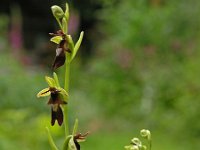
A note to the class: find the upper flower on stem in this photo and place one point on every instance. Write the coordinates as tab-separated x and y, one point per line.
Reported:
58	97
60	39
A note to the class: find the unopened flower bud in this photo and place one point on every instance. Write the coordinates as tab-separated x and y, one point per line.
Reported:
134	147
57	12
145	134
136	141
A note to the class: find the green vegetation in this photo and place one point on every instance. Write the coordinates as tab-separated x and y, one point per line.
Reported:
144	74
146	66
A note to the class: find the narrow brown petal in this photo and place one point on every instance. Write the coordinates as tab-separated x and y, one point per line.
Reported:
58	33
81	136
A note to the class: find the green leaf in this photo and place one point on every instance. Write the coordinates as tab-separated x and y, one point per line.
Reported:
77	45
75	127
51	142
56	39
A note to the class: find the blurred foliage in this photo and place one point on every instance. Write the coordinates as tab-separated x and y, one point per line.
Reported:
18	86
23	117
146	67
3	30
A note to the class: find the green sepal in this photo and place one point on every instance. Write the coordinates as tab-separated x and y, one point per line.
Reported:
77	45
51	142
56	39
43	93
71	144
56	79
50	81
71	43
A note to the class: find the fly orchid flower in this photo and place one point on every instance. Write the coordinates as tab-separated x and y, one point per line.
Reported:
60	39
79	138
58	97
72	141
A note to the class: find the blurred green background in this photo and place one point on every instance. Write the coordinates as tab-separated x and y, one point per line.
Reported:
138	67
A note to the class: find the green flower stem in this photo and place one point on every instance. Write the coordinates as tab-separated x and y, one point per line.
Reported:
67	72
66	122
60	25
149	144
66	87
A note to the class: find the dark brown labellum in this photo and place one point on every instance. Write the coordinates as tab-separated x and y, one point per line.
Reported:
60	55
56	114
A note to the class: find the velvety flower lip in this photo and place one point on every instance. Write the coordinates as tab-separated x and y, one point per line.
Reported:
60	58
56	114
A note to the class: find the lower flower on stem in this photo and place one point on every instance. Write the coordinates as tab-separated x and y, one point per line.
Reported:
57	98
